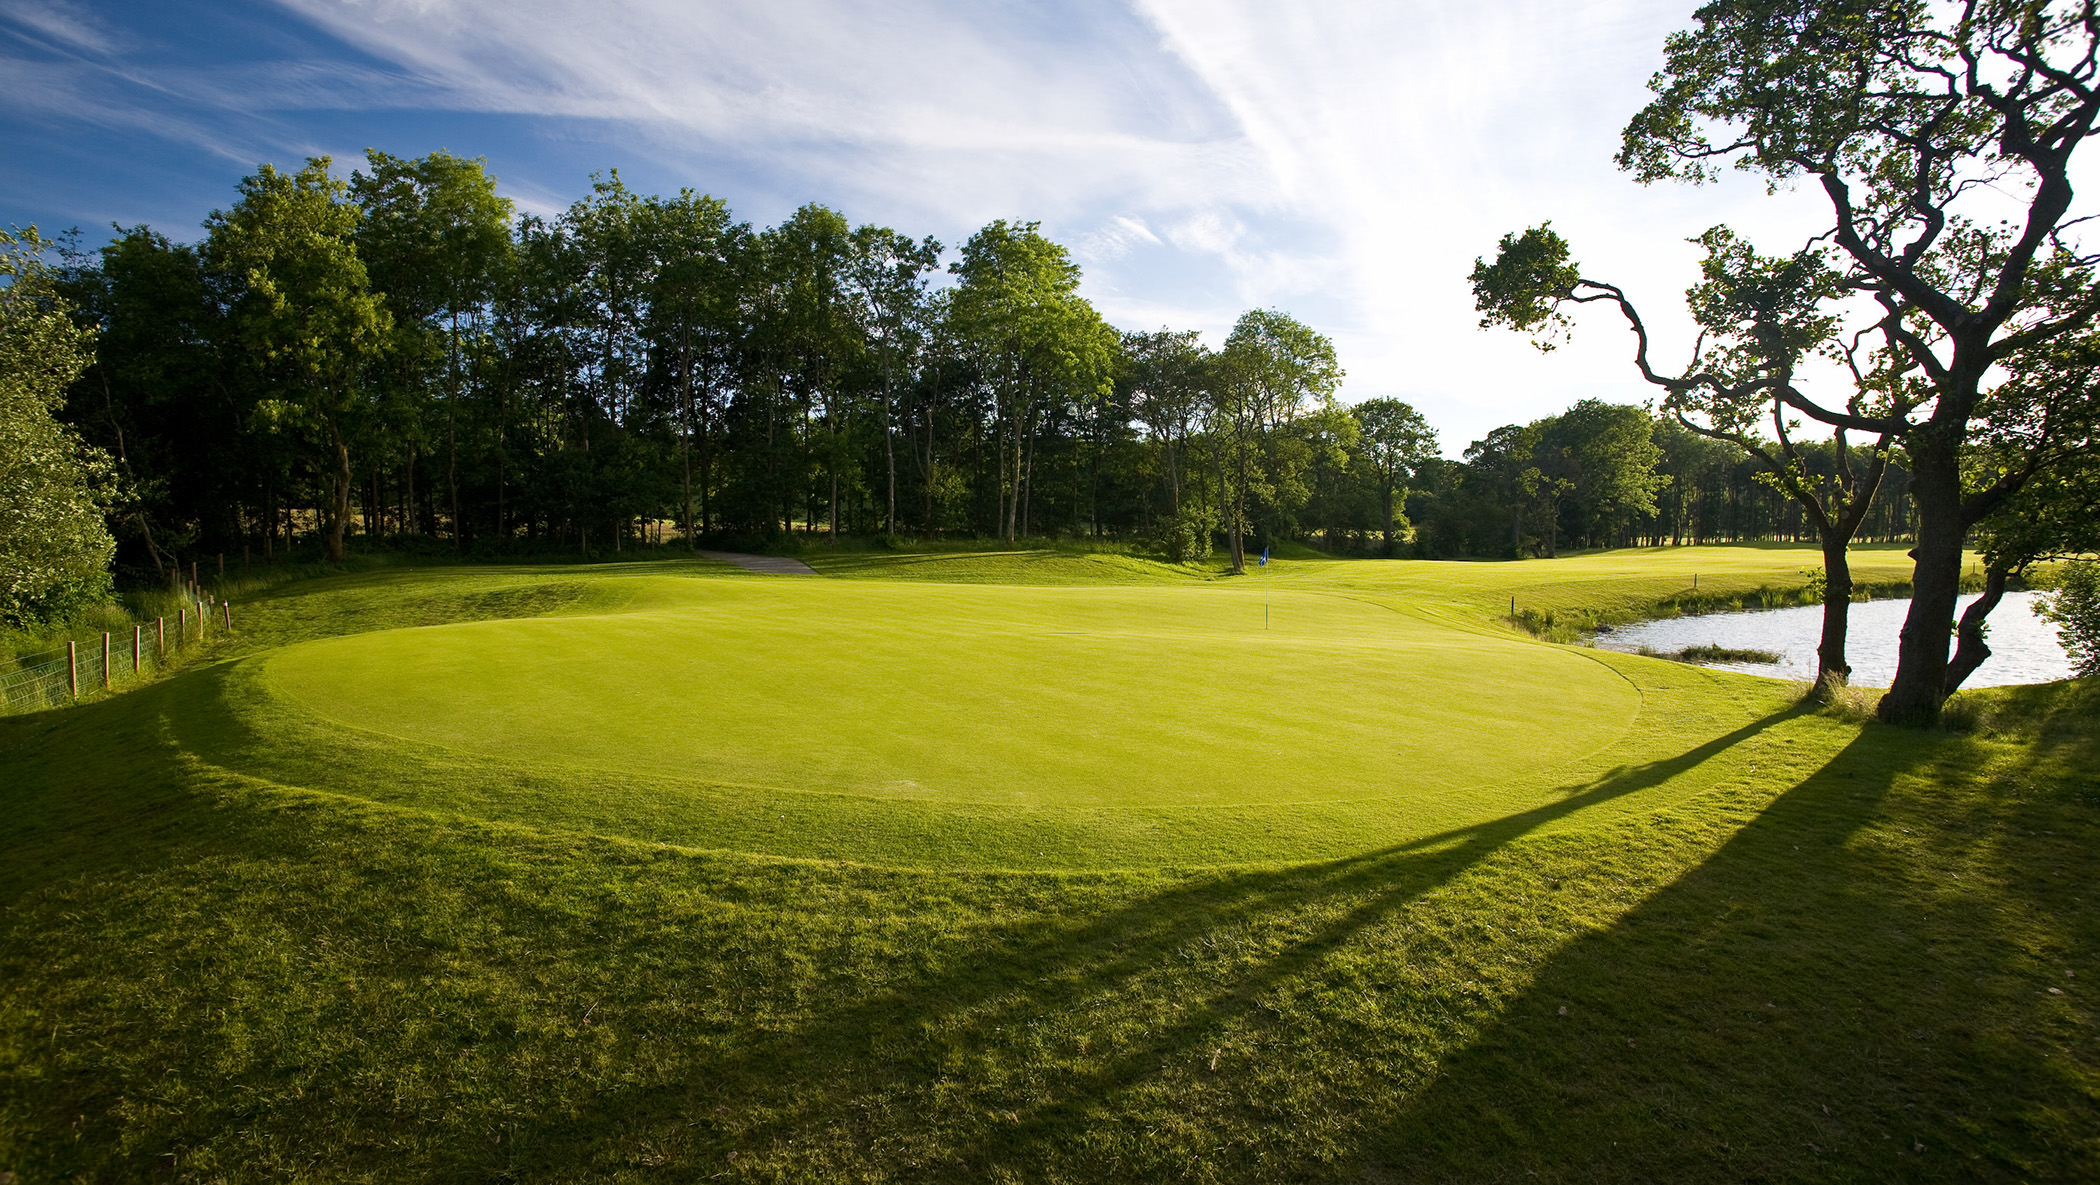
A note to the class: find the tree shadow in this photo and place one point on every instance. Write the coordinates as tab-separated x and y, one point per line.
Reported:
1879	978
944	1033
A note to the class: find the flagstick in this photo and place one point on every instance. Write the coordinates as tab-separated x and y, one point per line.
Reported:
1265	588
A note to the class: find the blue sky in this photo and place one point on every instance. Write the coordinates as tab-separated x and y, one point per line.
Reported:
1341	160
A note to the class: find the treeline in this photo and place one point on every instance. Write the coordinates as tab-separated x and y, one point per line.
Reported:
400	356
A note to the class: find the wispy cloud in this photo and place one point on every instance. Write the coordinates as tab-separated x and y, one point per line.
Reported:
957	110
66	26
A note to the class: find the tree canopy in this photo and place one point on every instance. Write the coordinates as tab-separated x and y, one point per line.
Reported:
54	548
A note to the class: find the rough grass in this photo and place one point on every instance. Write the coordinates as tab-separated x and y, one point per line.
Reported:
1714	652
1790	946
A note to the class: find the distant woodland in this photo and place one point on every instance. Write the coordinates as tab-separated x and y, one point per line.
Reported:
401	359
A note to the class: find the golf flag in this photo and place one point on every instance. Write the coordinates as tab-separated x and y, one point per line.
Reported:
1264	557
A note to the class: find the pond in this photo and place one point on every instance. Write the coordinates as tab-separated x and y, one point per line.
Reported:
2024	648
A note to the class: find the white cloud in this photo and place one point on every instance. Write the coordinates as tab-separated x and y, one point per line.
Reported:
65	25
1114	240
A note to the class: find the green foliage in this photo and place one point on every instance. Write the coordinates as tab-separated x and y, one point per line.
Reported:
1763	314
54	548
2074	608
303	313
1526	286
1185	537
1042	345
1395	442
1272	417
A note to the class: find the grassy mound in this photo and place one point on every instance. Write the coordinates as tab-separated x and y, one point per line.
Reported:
952	726
1735	940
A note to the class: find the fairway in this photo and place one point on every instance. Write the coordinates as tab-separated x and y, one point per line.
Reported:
1168	710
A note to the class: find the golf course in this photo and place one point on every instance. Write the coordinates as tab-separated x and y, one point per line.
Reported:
1039	865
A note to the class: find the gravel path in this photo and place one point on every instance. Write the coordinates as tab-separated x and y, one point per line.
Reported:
772	565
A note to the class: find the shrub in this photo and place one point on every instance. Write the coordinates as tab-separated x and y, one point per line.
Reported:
2074	609
1186	536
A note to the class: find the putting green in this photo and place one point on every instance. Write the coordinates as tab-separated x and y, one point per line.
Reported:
962	726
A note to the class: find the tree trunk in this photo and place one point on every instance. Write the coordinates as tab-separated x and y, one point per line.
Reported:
339	508
1970	651
1921	656
1386	534
889	456
1832	671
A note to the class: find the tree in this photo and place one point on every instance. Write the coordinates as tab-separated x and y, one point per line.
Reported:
1395	441
54	547
2045	425
435	237
1040	342
2074	608
692	311
1763	317
888	274
302	306
1942	137
1166	376
1273	374
158	401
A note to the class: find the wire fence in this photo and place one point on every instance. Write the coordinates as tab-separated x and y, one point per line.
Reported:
85	670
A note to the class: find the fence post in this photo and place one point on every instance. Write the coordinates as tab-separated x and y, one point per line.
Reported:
182	626
105	660
222	566
73	669
228	606
138	648
160	638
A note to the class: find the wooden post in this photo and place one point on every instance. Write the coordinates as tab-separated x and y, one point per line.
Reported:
1513	608
160	637
182	626
1695	582
228	605
105	660
193	573
73	669
222	565
138	648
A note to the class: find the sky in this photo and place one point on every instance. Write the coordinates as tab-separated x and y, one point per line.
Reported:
1344	161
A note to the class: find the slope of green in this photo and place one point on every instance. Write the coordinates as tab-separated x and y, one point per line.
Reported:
1733	940
964	726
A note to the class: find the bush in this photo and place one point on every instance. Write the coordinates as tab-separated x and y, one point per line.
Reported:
1186	536
2074	608
54	548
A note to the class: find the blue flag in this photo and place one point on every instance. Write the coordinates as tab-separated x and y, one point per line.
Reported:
1264	557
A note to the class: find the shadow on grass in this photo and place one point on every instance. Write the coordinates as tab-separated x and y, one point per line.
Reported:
921	1031
440	1001
1879	978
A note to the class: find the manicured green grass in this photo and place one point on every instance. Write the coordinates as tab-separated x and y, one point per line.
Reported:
466	874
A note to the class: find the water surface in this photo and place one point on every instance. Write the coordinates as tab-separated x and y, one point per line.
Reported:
2024	648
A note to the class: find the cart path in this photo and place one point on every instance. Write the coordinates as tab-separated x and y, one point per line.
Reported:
771	565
